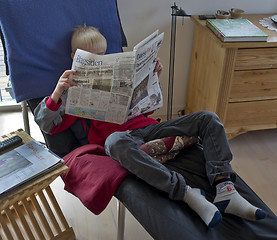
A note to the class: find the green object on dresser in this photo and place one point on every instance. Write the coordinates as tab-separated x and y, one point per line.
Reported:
236	30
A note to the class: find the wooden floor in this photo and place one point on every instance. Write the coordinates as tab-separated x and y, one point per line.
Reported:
254	160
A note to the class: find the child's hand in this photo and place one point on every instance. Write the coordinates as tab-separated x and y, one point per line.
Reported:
63	84
159	67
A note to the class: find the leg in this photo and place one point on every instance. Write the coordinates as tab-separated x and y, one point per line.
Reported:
209	128
124	148
228	200
217	154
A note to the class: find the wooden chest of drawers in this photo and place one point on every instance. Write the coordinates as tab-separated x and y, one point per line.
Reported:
238	81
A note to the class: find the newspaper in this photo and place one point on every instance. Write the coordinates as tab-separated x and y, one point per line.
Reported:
116	87
24	164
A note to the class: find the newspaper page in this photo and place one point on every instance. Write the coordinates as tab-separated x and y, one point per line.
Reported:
147	94
105	86
24	163
115	87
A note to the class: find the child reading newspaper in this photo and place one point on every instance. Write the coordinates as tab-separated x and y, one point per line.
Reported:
124	141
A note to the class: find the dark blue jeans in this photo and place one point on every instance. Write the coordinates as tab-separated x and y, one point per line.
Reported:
124	148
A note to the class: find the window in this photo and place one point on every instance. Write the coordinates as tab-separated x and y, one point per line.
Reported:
6	93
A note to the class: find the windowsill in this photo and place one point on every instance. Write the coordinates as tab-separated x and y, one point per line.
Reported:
10	106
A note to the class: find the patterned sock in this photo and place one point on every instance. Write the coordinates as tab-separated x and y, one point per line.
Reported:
208	212
228	200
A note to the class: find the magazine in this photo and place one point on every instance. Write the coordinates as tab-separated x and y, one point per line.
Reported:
116	87
236	30
24	164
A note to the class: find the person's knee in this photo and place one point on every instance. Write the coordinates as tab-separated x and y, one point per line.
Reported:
210	116
115	142
112	139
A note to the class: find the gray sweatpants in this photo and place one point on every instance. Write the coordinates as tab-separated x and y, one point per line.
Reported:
124	148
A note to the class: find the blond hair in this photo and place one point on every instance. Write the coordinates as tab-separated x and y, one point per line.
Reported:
88	38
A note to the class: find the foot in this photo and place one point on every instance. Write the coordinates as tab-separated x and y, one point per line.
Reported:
228	200
208	212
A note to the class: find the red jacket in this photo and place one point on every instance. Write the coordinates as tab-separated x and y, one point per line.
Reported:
99	130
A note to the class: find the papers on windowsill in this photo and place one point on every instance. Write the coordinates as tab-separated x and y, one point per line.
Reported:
268	23
24	164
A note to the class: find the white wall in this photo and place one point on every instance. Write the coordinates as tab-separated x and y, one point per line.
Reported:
141	17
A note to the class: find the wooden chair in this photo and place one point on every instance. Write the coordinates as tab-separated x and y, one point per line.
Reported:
32	211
